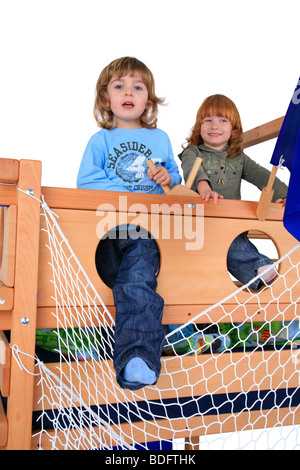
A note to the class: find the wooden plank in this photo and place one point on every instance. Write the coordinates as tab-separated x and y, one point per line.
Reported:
9	170
8	194
262	133
2	212
179	266
6	299
5	362
88	199
257	234
3	425
183	377
176	429
180	314
8	248
23	333
5	320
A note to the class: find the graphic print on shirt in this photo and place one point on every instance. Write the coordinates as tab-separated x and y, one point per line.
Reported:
132	167
129	161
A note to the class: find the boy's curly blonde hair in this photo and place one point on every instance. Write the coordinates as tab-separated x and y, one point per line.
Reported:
119	68
219	105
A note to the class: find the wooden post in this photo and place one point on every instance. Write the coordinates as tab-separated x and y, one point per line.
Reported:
179	189
193	172
23	326
152	167
266	197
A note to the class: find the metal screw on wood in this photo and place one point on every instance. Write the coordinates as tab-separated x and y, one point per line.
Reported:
25	320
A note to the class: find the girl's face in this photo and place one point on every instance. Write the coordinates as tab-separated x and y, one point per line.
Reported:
128	99
216	131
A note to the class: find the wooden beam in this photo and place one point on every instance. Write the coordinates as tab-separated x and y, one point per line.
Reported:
3	425
185	427
8	194
8	245
262	133
19	411
6	299
228	373
9	170
89	199
5	361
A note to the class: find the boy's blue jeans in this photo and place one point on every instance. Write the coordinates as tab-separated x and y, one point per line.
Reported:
138	329
243	260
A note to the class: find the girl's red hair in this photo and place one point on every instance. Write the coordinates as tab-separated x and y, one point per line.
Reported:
219	105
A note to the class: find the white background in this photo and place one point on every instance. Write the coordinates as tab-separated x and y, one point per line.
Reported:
52	53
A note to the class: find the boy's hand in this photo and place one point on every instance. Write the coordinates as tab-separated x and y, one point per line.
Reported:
160	175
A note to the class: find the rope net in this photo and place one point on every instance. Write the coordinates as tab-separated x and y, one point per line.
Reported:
231	383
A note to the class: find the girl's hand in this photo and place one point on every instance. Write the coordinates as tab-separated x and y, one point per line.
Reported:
160	175
206	193
281	201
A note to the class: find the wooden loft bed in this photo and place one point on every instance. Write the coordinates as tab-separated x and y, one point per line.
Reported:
186	290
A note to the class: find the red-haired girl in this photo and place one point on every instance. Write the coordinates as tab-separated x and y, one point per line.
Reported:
217	138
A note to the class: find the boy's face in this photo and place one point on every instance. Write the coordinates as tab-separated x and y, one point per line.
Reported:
216	131
128	99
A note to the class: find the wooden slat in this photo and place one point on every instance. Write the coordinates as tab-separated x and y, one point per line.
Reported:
257	234
179	428
8	194
6	300
88	199
193	269
5	362
3	425
180	314
262	133
5	320
25	304
8	245
9	170
185	376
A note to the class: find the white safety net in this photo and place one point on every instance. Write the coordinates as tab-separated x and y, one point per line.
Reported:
233	383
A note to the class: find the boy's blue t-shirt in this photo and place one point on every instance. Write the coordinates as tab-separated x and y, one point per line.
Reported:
115	160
